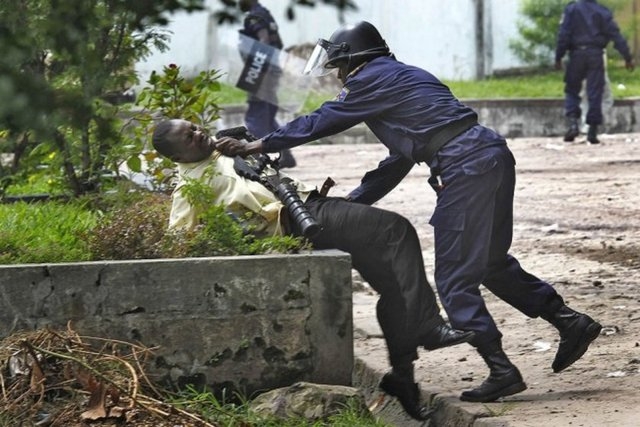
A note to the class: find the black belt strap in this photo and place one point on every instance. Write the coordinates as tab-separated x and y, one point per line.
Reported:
444	135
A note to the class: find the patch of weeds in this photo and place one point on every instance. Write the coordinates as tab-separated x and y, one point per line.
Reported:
132	231
235	411
499	409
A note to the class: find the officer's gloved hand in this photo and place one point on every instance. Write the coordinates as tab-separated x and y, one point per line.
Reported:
629	65
558	65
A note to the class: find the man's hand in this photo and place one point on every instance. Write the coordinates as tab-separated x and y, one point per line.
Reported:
232	147
558	65
629	65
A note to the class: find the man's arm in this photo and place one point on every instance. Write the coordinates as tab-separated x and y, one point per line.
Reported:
619	43
380	181
564	36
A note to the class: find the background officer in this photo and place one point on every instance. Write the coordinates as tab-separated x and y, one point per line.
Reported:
260	117
419	120
585	30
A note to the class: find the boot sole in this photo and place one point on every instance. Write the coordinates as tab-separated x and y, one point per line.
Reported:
590	334
507	391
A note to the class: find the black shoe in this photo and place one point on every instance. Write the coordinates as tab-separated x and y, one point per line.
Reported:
444	336
495	387
504	378
407	393
592	135
573	131
575	337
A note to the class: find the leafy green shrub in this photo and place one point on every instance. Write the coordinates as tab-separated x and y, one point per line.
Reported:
538	31
222	234
136	228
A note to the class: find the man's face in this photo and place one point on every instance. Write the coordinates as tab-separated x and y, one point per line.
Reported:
189	142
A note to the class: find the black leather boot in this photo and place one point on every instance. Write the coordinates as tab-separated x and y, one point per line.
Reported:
573	129
577	331
504	378
592	135
400	384
444	336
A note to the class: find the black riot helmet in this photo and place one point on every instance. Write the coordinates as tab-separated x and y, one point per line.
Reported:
348	47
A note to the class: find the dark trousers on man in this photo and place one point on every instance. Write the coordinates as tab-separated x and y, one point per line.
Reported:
386	251
585	64
260	117
473	223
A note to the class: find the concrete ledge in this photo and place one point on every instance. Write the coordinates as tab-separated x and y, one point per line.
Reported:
515	118
246	323
512	118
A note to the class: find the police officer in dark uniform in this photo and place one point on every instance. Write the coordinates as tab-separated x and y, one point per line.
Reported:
585	30
473	172
260	117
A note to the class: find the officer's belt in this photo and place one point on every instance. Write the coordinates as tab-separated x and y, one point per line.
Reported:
444	135
587	47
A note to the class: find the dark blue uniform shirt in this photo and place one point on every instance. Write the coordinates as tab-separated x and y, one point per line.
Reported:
589	25
403	105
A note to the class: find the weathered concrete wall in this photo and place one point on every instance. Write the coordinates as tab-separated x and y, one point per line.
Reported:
515	118
249	323
512	118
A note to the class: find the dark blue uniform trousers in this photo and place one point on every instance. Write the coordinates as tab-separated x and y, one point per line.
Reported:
386	251
473	226
585	64
260	117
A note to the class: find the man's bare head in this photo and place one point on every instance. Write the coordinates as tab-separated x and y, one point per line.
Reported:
182	141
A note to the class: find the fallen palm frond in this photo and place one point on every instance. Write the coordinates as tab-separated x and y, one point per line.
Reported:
59	378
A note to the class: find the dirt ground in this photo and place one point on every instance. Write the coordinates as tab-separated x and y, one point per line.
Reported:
577	225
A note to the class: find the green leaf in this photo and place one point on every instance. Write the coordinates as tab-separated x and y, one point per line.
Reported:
134	163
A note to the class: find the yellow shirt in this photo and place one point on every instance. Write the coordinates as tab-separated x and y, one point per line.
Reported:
239	195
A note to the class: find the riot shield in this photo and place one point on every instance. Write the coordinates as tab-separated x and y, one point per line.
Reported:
269	74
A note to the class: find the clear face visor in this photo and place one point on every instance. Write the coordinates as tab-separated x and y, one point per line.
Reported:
317	60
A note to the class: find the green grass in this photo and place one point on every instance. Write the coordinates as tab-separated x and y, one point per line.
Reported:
44	232
542	84
548	84
230	95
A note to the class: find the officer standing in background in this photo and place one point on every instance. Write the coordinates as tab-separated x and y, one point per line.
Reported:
260	117
585	30
473	172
